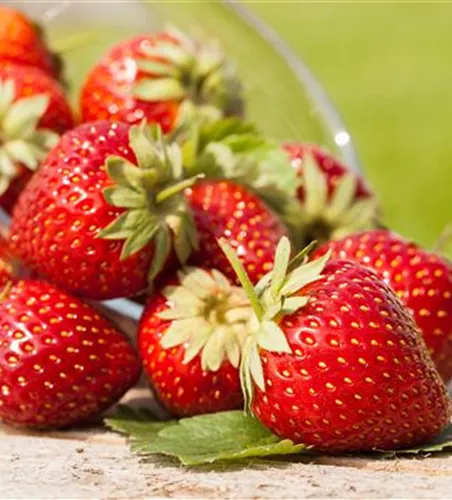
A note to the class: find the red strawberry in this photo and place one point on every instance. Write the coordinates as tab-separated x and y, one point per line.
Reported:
335	199
336	361
190	341
148	77
104	212
226	209
6	262
61	363
422	280
21	42
33	112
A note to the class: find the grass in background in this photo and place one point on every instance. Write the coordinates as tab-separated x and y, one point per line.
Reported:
388	69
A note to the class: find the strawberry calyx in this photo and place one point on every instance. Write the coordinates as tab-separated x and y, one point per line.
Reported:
152	196
273	297
22	141
208	314
322	217
177	68
233	149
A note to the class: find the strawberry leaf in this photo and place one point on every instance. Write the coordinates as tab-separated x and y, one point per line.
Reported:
202	439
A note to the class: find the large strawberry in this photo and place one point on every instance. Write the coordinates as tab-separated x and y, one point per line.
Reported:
150	76
335	199
191	337
229	210
105	211
422	280
33	112
22	42
336	361
61	363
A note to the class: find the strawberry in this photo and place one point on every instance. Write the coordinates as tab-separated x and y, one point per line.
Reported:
335	199
229	210
149	77
105	213
61	363
6	262
33	112
421	279
22	42
190	340
336	361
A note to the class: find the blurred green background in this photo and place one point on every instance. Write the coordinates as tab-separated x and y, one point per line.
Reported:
388	69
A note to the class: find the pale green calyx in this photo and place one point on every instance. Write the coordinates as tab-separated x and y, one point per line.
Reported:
323	217
152	194
277	294
22	141
178	68
236	150
211	317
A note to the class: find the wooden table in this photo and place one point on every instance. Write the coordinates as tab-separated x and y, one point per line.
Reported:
95	463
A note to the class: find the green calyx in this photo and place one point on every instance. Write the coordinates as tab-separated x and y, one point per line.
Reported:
322	217
22	142
232	149
210	316
276	294
152	194
181	69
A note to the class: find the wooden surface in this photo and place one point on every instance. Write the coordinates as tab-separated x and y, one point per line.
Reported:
95	463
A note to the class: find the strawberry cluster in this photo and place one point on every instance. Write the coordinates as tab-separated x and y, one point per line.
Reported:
161	192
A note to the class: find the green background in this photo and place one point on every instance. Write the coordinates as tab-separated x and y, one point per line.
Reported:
388	69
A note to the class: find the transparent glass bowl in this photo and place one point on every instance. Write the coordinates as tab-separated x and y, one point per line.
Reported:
283	96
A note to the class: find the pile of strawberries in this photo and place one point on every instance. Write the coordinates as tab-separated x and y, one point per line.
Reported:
160	191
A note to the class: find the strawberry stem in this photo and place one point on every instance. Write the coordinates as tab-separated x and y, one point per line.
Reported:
177	188
243	278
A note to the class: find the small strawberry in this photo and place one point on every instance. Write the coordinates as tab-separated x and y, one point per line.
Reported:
421	279
61	363
22	42
229	210
336	361
335	199
190	340
33	112
105	211
149	77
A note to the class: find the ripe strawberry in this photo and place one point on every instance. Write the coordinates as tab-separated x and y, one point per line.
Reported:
190	340
226	209
61	363
102	215
149	77
6	262
335	199
336	361
421	279
33	112
22	42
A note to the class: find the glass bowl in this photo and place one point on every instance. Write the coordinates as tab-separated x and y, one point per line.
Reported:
283	97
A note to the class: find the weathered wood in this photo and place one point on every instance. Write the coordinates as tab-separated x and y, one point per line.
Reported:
95	463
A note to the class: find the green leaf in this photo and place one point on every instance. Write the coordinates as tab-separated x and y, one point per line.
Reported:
278	274
7	95
271	338
22	152
123	227
141	236
342	198
23	116
142	145
124	173
156	68
206	439
159	89
120	196
315	187
162	248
